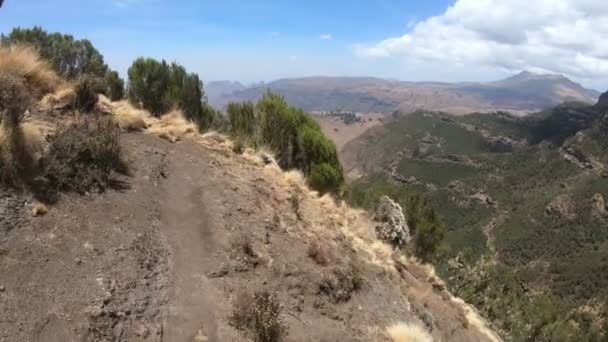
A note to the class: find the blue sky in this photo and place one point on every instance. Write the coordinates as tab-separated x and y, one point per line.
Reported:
261	40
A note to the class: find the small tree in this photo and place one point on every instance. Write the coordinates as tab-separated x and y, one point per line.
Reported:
425	227
242	119
114	86
149	85
70	57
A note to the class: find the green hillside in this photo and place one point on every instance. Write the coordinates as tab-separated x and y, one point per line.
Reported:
523	202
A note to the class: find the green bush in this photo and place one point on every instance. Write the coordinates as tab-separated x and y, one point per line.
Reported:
69	57
297	141
84	156
114	86
242	119
149	85
325	177
159	87
425	227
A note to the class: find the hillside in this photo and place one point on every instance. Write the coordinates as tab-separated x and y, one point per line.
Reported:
524	202
523	93
120	225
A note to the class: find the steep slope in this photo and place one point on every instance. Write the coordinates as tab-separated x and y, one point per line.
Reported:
523	93
524	205
165	259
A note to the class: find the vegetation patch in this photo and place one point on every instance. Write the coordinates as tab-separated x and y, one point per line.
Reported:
85	156
259	314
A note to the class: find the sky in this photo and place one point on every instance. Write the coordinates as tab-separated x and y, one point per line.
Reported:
262	40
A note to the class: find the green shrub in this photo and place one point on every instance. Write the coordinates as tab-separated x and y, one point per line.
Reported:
159	87
69	57
242	119
325	178
425	227
149	85
84	156
114	86
298	142
87	89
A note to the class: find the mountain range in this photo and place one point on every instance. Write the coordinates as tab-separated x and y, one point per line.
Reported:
523	93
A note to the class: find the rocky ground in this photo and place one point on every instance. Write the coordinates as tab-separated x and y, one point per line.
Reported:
165	259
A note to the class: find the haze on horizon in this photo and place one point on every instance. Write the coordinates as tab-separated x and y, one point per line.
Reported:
264	40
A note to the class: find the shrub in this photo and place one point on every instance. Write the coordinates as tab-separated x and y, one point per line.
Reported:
114	86
298	142
149	84
319	253
277	128
14	100
69	57
86	90
84	156
260	314
425	227
160	87
340	286
242	119
326	177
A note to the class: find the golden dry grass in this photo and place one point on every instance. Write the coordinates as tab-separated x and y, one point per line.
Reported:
127	117
34	143
408	332
26	63
62	96
173	126
39	209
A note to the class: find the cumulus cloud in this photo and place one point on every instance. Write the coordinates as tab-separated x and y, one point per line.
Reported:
560	36
326	36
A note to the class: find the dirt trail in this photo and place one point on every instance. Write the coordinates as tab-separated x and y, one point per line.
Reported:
188	224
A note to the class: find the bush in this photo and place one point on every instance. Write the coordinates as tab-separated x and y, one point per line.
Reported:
114	86
298	142
242	119
84	156
86	90
149	84
160	87
69	57
425	227
14	100
326	177
260	315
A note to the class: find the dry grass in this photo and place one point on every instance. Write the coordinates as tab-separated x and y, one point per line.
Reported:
34	143
319	253
173	126
127	117
26	63
39	209
408	332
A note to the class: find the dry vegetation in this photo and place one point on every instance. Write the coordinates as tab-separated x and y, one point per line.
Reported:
409	332
25	63
259	313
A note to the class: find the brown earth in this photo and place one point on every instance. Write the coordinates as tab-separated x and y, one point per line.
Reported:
163	260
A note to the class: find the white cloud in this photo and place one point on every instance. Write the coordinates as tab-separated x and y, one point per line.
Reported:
326	36
560	36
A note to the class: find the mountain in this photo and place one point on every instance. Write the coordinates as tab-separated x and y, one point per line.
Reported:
218	89
524	201
523	93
